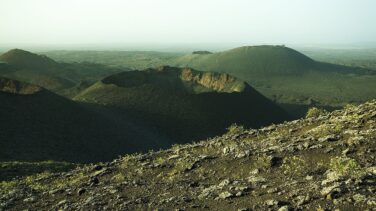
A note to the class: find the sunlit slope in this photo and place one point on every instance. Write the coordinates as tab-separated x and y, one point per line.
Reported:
286	75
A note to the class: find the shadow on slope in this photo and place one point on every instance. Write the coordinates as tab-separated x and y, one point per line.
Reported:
183	103
44	126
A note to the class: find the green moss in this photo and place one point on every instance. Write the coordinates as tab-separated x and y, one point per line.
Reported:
36	181
119	177
8	186
344	165
262	162
181	166
235	129
329	129
160	160
315	112
349	106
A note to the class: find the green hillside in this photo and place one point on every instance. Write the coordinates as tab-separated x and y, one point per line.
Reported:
36	124
262	61
282	74
287	76
252	60
183	103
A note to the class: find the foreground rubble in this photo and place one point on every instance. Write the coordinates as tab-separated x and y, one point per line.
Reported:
319	163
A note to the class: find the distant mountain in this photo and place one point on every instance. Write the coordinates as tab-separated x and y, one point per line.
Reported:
24	59
251	60
284	75
183	103
261	61
288	76
37	69
43	71
36	124
201	52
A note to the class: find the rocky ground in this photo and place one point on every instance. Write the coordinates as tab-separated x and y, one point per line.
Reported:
324	162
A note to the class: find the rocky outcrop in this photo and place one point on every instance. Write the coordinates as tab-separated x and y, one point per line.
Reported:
219	82
180	79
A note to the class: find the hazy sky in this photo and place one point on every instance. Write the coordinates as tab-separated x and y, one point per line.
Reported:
46	22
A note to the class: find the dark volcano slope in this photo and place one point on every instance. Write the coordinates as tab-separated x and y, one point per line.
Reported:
183	103
36	124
